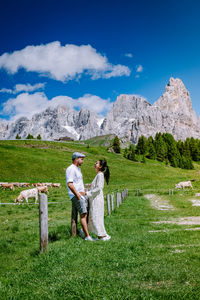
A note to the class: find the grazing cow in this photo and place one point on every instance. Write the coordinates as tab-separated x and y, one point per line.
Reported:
42	189
7	186
184	184
3	183
37	184
47	184
32	193
58	185
24	184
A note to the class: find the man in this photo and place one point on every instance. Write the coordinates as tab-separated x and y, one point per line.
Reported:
76	191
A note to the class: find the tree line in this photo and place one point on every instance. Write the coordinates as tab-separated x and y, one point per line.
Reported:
29	137
165	148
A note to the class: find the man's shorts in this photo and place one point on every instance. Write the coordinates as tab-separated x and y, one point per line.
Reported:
79	205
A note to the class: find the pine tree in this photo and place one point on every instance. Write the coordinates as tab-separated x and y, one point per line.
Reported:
39	137
194	149
131	153
141	147
18	137
151	151
173	153
126	152
186	148
161	148
116	145
29	137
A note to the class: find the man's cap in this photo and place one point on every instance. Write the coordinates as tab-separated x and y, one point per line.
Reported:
77	154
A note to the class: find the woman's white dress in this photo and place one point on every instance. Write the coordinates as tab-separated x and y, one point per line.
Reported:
96	202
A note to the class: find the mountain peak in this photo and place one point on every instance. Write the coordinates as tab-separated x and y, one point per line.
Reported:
176	99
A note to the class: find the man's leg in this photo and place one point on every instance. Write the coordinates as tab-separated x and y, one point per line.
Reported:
74	219
83	220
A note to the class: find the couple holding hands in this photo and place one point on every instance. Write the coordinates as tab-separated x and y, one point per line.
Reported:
88	202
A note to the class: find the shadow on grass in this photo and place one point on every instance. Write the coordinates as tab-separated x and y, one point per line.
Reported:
59	233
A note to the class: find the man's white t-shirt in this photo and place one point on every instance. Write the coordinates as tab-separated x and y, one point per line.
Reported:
73	174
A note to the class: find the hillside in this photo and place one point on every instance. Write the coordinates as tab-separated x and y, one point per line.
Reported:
143	260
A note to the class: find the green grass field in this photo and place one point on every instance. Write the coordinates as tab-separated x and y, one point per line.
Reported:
143	259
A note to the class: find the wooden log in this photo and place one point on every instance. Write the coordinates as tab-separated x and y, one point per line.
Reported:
43	220
74	221
108	204
112	202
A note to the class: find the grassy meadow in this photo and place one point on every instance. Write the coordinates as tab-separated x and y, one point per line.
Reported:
143	259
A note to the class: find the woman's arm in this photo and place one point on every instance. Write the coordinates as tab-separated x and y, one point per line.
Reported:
93	192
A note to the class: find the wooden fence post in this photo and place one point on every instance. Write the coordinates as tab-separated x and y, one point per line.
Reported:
43	220
74	221
112	202
108	204
118	200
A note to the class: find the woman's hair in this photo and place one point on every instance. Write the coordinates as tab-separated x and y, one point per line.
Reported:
105	169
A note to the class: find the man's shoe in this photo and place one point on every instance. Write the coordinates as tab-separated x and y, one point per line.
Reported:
81	233
89	238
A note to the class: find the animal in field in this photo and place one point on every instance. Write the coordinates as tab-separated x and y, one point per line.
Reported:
3	183
37	184
47	184
58	185
7	186
31	193
184	184
23	184
42	189
26	194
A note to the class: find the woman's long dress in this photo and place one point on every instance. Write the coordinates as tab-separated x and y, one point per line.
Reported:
96	201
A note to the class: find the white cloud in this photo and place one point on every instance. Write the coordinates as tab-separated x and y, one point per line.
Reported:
8	91
139	69
130	55
28	87
26	104
117	71
62	62
23	88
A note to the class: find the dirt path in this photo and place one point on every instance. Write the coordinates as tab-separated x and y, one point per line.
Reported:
159	202
182	221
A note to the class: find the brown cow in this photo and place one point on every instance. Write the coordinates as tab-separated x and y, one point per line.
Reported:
8	186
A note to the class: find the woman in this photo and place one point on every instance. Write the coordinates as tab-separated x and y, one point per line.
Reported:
96	201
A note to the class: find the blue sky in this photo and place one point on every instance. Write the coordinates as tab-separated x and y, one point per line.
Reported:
86	53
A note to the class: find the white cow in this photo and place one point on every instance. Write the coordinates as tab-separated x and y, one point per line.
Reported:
32	193
183	184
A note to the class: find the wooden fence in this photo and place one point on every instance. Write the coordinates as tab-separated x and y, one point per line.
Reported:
111	202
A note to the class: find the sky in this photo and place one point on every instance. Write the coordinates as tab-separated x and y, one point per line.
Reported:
86	53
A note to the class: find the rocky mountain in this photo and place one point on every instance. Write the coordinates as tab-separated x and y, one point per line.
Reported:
54	123
130	117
